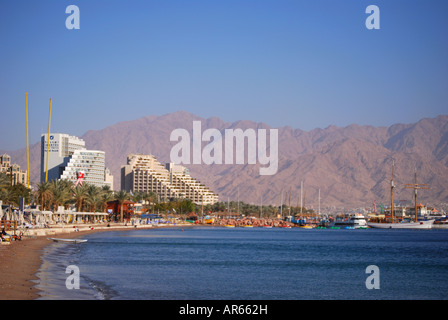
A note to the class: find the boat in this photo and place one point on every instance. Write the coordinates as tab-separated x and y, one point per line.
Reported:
208	220
426	224
441	224
229	226
68	240
395	223
356	221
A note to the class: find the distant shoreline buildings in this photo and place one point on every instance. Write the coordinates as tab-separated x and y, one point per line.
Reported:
69	159
144	173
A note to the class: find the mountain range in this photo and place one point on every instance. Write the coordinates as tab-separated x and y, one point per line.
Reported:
348	166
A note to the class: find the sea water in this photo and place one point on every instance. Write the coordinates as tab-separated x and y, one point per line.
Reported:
217	263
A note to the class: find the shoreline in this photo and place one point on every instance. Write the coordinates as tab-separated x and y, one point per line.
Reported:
21	260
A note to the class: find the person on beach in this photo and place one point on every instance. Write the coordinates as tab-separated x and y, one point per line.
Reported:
6	235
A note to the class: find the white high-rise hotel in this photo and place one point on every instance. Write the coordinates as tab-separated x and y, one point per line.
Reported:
144	173
68	156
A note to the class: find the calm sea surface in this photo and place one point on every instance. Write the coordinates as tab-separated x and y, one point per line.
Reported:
215	263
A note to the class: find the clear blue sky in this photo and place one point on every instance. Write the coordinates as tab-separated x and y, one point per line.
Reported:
305	64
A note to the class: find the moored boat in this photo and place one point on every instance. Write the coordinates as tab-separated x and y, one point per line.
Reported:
356	221
208	220
393	222
68	240
426	224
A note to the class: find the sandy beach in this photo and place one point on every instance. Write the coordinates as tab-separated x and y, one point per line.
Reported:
21	260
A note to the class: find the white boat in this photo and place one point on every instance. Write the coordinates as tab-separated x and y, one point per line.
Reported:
440	224
426	224
356	221
68	240
416	224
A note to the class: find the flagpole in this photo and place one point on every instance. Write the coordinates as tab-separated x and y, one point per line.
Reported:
48	142
27	147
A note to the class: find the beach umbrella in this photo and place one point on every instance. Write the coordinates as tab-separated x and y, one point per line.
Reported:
21	218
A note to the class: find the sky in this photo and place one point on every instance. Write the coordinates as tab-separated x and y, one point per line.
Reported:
305	64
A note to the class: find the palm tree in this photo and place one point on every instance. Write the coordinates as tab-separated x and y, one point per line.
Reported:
7	195
92	197
79	195
121	196
61	192
137	197
5	181
44	194
149	197
105	197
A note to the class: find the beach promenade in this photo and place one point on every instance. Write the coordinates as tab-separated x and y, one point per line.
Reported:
21	260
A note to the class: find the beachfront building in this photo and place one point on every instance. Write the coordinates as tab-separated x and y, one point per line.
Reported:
144	173
13	170
69	159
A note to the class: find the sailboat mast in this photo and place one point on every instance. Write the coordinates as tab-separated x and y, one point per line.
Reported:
289	202
318	210
415	194
301	196
281	206
392	186
416	186
238	202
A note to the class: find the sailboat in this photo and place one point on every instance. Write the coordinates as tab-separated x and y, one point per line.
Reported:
394	224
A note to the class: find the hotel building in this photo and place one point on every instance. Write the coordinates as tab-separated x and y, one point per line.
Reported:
144	173
68	156
18	176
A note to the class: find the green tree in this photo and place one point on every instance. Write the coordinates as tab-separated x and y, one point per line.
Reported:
93	195
149	198
187	206
44	194
20	191
61	190
121	196
105	196
79	195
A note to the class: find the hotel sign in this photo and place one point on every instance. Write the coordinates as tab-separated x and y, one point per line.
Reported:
54	145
